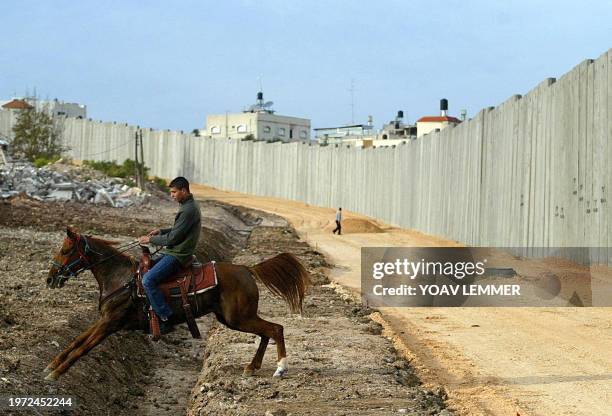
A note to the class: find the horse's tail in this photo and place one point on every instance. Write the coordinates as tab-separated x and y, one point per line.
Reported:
284	276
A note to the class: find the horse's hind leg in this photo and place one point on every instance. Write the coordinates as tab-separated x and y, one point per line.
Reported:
265	330
258	358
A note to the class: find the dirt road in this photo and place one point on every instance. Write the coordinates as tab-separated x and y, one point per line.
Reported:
534	361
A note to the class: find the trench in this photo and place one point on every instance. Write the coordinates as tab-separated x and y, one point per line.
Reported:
177	358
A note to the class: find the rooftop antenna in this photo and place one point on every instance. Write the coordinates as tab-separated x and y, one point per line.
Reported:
352	91
260	105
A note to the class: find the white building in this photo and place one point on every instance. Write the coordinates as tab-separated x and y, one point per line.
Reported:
258	122
54	107
60	108
364	135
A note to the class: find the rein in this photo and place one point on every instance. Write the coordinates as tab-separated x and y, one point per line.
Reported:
83	262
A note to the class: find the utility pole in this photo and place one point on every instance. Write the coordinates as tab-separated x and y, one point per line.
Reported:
142	164
226	127
137	171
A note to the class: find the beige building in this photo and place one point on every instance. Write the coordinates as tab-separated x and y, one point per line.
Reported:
431	123
428	124
261	125
16	105
259	122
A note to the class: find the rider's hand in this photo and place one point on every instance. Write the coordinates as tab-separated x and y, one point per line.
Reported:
144	240
154	232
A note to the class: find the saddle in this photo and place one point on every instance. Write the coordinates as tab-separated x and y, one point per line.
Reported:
193	278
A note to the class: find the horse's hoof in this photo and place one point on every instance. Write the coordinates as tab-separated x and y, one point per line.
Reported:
47	369
248	372
280	372
52	376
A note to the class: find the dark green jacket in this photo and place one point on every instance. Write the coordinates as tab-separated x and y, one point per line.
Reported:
181	240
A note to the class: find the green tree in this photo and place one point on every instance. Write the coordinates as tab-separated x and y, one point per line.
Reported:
36	136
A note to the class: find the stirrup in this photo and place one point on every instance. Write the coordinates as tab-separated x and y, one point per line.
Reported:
154	325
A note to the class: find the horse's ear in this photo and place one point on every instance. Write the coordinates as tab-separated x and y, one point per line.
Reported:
71	233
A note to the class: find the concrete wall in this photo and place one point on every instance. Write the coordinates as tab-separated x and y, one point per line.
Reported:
534	171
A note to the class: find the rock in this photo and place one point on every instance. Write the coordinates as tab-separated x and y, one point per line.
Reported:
102	197
66	183
64	186
61	195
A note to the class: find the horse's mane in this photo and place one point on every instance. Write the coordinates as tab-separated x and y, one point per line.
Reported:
110	246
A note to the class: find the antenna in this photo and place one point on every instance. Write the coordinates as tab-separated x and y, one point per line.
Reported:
352	90
260	82
260	105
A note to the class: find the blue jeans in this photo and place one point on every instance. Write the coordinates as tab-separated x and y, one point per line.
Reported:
165	267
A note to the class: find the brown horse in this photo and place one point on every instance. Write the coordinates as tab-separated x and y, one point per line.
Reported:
234	300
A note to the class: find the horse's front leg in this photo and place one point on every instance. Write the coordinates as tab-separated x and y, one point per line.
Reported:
95	335
74	344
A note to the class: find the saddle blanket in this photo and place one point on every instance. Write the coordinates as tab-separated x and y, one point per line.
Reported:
203	278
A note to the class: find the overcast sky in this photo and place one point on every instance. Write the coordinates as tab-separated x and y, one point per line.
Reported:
167	64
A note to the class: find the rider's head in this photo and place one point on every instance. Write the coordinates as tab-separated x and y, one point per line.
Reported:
179	189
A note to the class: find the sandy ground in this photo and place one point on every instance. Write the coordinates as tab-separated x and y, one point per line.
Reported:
500	361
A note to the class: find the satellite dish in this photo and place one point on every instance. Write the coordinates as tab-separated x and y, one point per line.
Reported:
268	104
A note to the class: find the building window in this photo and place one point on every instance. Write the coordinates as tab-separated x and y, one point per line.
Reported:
281	131
303	134
267	129
241	128
215	130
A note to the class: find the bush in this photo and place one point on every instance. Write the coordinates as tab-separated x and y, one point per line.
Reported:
127	170
39	162
161	184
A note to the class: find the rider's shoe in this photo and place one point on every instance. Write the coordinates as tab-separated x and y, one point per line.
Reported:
165	327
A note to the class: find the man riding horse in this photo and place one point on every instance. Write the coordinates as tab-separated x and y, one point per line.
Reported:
234	298
180	243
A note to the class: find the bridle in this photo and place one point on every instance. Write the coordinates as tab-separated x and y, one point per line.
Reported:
82	262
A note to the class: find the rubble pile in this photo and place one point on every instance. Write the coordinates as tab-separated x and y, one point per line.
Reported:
59	182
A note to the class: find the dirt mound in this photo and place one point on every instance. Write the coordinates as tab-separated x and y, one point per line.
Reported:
357	226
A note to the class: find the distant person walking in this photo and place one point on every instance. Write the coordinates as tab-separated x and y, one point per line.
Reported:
338	222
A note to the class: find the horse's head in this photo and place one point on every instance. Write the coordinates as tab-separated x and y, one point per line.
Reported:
69	261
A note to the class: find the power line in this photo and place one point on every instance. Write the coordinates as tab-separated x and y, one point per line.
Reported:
109	150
